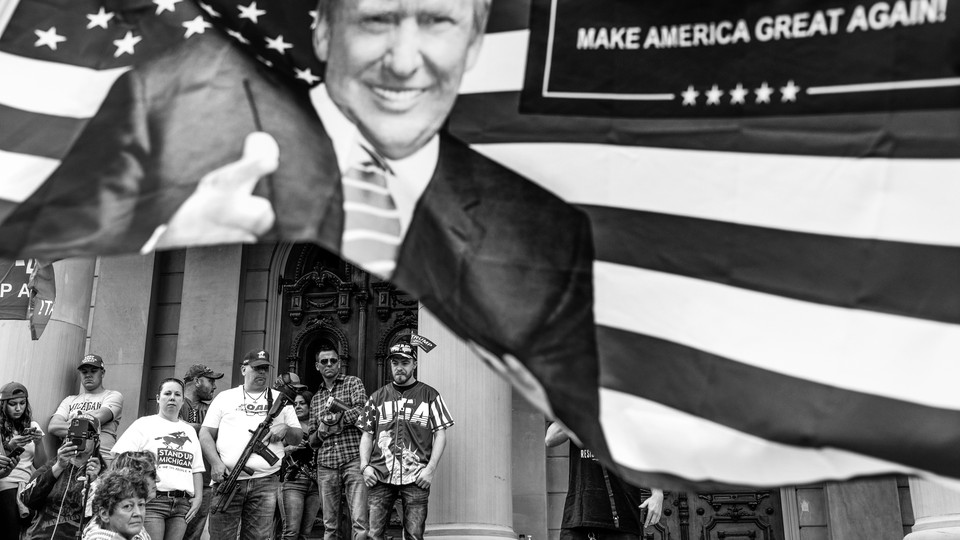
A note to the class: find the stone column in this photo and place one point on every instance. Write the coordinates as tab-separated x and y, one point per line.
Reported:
471	495
936	510
209	312
48	366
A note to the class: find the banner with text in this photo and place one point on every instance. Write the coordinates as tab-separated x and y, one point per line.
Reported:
690	58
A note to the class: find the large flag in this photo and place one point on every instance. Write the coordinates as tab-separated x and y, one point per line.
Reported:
27	291
777	285
776	293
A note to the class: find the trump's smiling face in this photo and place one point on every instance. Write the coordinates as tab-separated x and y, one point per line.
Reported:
394	66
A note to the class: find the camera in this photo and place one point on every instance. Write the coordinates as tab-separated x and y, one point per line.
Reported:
80	431
335	406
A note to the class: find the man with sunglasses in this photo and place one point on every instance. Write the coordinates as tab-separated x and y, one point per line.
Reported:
337	439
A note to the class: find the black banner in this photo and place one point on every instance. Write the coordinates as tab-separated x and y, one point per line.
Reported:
730	58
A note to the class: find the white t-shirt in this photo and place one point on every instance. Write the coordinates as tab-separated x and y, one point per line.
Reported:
71	406
234	413
174	444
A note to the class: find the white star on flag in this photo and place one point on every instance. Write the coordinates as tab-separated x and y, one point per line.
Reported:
738	95
306	75
764	93
690	96
238	36
166	5
197	25
100	18
251	12
713	95
278	44
50	38
209	9
126	45
789	92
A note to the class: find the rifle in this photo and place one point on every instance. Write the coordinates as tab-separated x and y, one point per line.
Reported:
226	489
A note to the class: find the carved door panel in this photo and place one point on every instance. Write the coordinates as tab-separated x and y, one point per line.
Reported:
728	515
328	300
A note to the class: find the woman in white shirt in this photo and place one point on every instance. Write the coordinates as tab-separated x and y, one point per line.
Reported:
179	465
19	434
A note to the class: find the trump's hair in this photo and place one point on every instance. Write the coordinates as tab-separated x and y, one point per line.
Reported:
481	11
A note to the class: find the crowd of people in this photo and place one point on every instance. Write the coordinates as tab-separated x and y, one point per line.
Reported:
163	477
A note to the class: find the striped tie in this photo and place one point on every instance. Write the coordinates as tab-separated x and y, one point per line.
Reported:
371	229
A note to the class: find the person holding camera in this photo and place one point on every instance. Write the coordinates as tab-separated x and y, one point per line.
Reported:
599	505
333	412
57	491
19	434
102	405
179	466
300	495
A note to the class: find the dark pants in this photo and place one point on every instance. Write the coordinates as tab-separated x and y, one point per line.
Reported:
381	498
195	526
251	511
10	516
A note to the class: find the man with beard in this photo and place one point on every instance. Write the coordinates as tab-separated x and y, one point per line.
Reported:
337	440
200	384
225	432
101	405
404	428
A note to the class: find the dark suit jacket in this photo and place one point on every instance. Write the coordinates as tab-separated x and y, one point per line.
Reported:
498	259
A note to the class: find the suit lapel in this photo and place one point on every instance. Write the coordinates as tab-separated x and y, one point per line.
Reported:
444	230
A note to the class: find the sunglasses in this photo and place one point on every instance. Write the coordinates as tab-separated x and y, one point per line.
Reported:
328	361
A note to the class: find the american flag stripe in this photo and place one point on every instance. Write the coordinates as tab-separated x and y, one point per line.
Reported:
801	266
26	139
779	408
890	199
687	447
830	345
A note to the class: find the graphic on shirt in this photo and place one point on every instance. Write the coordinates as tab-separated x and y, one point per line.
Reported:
178	438
403	409
170	457
403	463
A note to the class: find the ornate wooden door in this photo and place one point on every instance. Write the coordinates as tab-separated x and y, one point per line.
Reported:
720	515
328	300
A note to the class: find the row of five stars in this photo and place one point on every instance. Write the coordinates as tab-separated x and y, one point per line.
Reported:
738	94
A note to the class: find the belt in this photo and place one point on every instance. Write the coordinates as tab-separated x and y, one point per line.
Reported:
174	494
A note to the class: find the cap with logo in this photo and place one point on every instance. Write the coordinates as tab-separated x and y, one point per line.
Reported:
403	350
91	360
12	390
199	370
256	358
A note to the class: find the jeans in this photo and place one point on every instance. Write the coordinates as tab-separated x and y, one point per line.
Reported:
165	519
195	526
251	510
335	481
382	497
299	504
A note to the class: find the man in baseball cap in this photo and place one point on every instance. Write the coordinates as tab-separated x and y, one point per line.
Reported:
199	386
102	405
234	414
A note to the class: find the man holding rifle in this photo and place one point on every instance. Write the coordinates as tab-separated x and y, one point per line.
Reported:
226	432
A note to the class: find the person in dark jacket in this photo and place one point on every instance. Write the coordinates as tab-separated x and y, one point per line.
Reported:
57	491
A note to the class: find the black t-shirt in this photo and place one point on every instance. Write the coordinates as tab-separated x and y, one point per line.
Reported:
588	502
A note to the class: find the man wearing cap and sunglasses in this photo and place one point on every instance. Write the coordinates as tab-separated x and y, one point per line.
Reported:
334	433
199	386
102	405
404	428
225	432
